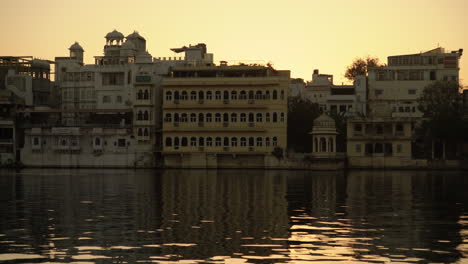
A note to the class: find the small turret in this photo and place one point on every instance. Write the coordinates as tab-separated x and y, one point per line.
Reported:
76	52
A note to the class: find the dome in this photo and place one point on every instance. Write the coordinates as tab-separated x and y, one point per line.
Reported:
76	46
114	35
135	35
324	125
128	45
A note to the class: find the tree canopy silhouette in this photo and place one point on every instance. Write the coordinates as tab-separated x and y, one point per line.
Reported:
360	66
301	115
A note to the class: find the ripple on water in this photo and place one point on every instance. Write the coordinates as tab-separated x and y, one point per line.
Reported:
18	256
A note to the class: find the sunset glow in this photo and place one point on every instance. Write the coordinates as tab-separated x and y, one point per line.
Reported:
294	35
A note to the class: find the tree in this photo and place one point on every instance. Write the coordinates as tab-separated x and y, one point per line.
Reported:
301	115
443	123
360	66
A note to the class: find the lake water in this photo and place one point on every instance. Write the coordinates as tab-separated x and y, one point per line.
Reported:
233	216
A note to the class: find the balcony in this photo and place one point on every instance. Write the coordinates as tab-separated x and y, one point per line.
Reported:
214	126
220	103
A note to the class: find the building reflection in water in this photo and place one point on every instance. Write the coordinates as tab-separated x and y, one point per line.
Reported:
254	216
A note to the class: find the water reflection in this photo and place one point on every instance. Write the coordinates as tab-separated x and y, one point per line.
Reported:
232	216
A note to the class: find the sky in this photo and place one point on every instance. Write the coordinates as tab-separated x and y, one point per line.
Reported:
296	35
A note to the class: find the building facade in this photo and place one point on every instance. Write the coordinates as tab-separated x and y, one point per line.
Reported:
224	116
380	143
395	88
120	93
348	100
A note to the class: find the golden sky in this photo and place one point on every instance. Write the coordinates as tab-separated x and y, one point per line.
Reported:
296	35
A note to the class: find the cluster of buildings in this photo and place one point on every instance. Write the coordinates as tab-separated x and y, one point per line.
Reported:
130	109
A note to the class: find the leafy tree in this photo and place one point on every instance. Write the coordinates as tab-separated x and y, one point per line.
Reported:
301	115
360	66
443	121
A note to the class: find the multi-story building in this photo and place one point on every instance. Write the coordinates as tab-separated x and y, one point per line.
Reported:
380	143
345	99
119	95
24	82
395	88
224	116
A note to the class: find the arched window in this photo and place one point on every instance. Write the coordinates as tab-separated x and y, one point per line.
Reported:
184	141
251	95
217	95
139	132
234	142
201	142
251	141
201	118
168	95
259	117
218	142
275	141
275	117
209	141
258	95
233	117
176	95
225	117
275	95
201	95
267	117
209	117
146	115
168	117
234	95
193	141
193	95
183	95
243	95
323	145
193	117
243	117
140	115
168	142
259	141
97	141
282	117
140	94
267	95
251	117
176	117
209	95
243	142
176	142
146	95
225	95
226	142
282	94
267	141
183	117
217	117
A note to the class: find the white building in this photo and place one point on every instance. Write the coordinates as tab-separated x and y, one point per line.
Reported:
345	99
394	89
120	94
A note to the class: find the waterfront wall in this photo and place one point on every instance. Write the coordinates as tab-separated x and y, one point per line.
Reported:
251	161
